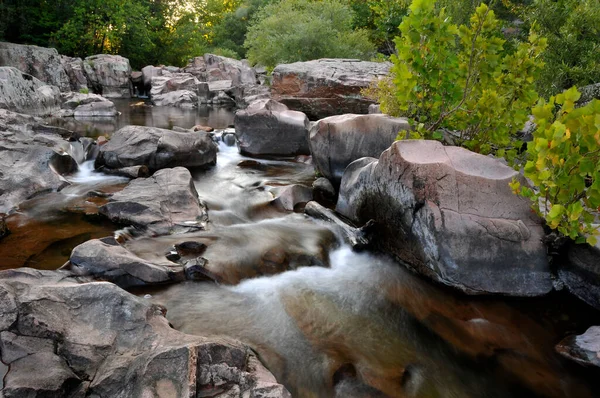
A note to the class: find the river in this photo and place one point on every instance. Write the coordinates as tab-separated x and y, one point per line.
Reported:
327	321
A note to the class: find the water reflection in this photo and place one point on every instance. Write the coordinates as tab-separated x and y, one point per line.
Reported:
138	112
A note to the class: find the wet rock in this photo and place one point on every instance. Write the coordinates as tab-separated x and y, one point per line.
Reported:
337	141
323	191
30	161
583	349
229	139
108	75
200	127
42	63
268	127
157	149
104	259
580	272
292	196
196	270
165	203
326	87
129	172
75	72
252	164
96	109
97	340
180	98
374	109
450	215
20	92
357	238
190	248
222	99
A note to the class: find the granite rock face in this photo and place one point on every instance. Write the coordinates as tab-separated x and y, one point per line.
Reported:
40	62
157	149
326	87
74	69
449	214
108	75
583	349
23	93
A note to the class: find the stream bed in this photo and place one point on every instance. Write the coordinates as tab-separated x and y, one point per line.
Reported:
334	323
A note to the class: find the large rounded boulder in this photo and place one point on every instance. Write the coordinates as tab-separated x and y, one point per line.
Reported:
157	149
23	93
109	75
268	127
337	141
449	214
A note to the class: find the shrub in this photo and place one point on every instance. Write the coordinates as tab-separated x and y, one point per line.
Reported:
564	165
461	78
84	90
301	30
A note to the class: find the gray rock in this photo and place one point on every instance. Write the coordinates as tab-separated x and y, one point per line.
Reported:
75	72
323	191
20	92
109	75
358	238
580	272
173	82
337	141
129	172
164	203
293	195
212	67
96	109
268	127
583	349
589	93
157	149
31	160
374	109
108	343
106	260
326	87
42	63
450	215
245	95
73	100
180	98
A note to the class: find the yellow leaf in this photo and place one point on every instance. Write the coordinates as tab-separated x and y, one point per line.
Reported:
568	133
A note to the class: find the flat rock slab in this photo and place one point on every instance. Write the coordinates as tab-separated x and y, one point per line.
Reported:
583	349
326	87
268	127
166	202
157	149
63	338
450	215
337	141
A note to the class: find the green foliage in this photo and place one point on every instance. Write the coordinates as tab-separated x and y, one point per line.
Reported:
461	78
564	165
300	30
381	19
84	90
573	31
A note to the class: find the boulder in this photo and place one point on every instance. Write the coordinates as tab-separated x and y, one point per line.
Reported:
589	93
583	349
326	87
449	214
179	98
30	161
42	63
291	196
323	191
580	272
245	95
337	141
157	149
20	92
108	75
166	202
71	339
73	100
96	109
75	72
374	109
104	259
174	82
268	127
212	67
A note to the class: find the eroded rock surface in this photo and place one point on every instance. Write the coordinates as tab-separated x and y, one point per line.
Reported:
108	75
157	149
210	67
164	203
268	127
20	92
449	214
75	72
337	141
583	349
326	87
62	338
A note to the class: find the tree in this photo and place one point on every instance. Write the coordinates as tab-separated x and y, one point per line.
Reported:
300	30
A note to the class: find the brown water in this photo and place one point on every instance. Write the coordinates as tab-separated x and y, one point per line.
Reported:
325	320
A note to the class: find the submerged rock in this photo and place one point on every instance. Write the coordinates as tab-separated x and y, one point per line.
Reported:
96	109
268	127
20	92
40	62
583	349
326	87
109	75
580	272
157	149
164	203
450	215
337	141
66	338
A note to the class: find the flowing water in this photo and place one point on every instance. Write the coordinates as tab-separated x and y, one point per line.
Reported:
326	320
